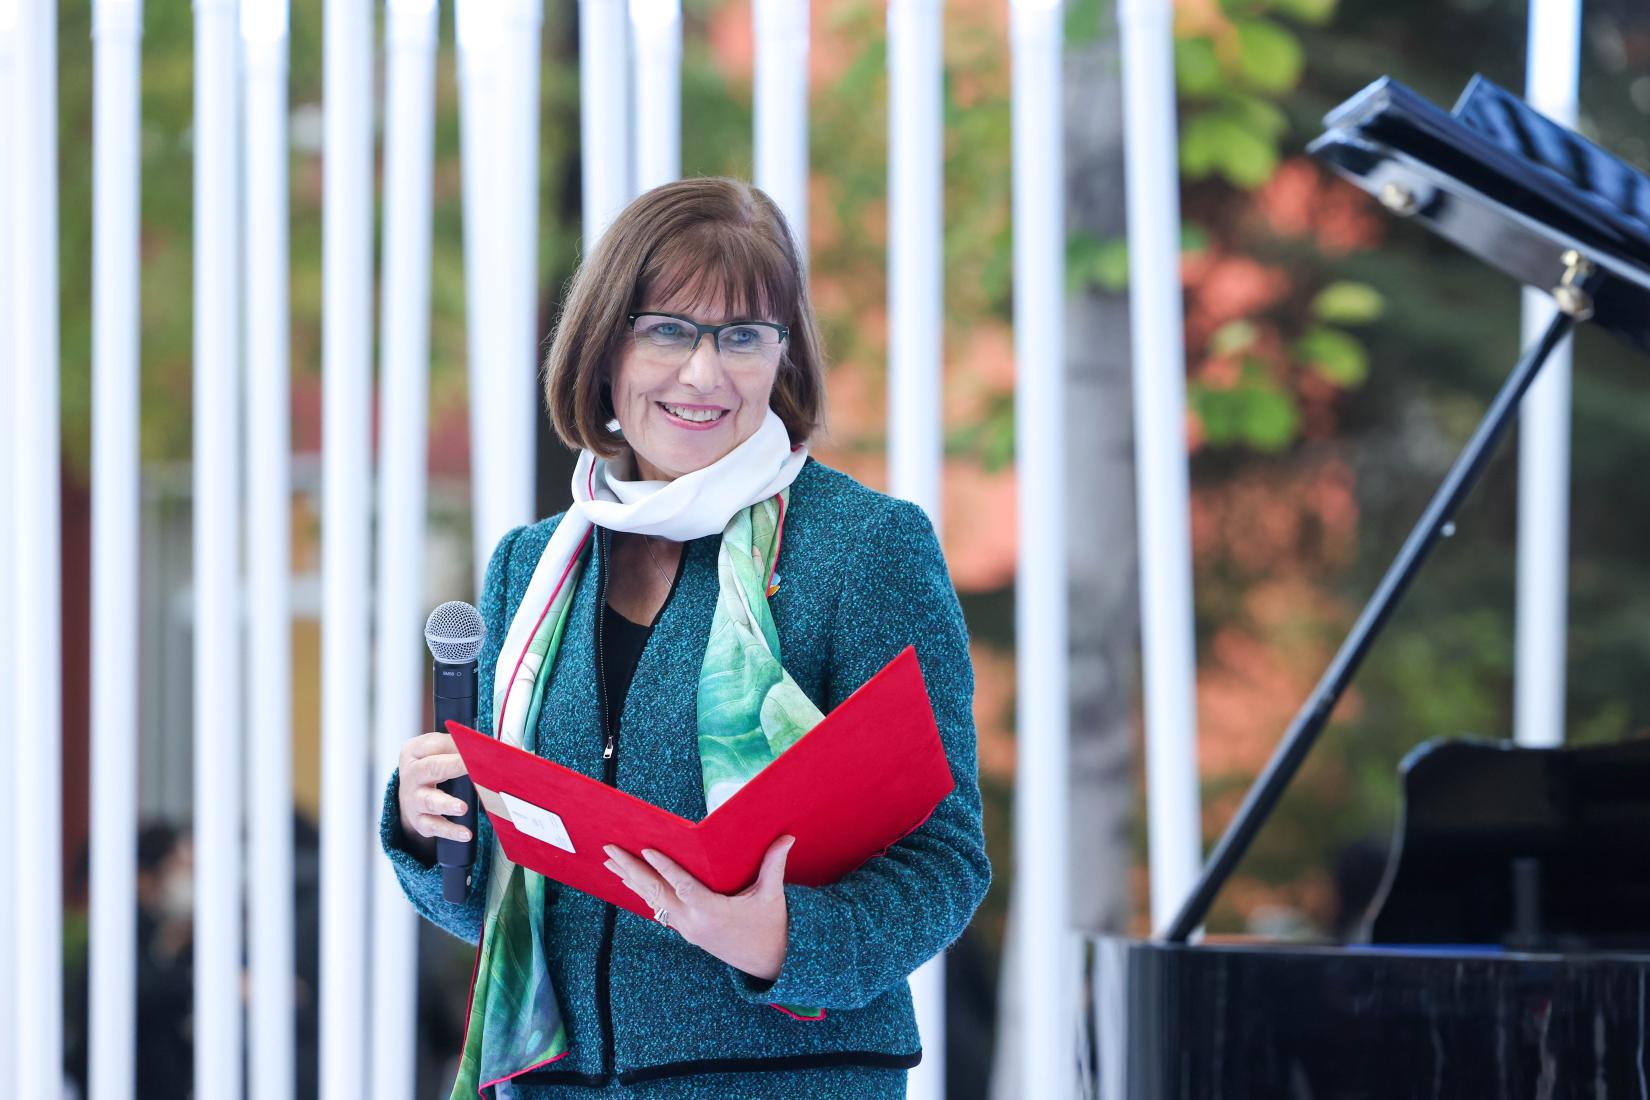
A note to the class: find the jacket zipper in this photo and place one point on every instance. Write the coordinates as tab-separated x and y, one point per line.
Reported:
610	769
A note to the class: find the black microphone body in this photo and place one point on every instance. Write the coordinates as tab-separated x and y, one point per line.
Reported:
455	700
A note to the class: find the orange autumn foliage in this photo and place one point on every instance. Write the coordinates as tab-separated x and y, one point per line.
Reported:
1301	199
994	710
1249	688
981	537
1222	287
1278	522
1269	539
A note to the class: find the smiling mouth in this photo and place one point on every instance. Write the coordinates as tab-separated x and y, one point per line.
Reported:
693	415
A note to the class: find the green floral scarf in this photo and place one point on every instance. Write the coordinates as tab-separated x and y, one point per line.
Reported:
749	711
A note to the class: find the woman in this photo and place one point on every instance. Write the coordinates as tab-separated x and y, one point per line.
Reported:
711	592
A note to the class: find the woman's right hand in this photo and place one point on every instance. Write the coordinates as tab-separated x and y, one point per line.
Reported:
427	761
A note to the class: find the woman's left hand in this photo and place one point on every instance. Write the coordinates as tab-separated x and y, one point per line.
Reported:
746	930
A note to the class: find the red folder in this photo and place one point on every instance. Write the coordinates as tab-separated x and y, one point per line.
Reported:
868	774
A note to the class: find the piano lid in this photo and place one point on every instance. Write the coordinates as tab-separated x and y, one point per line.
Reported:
1612	189
1534	849
1507	184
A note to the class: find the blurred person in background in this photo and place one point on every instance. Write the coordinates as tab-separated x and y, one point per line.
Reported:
165	961
165	967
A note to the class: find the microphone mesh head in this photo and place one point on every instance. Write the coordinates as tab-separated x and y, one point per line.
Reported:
454	633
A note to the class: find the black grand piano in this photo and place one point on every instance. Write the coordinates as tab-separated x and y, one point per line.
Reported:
1506	953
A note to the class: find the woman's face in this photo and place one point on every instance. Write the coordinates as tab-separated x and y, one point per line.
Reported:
649	396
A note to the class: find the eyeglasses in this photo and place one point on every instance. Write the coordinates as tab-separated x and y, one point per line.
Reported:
668	338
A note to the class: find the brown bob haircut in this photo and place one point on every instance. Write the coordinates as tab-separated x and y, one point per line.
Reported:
696	241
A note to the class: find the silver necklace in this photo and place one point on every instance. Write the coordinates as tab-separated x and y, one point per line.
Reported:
647	541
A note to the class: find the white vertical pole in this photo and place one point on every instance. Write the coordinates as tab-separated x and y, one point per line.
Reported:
36	799
117	29
1043	906
1544	430
269	552
656	30
217	527
781	104
409	135
1161	483
348	806
498	91
514	401
916	206
10	883
480	47
604	114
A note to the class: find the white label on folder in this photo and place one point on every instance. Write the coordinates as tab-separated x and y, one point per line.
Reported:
537	822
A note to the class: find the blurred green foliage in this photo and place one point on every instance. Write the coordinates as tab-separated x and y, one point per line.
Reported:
1257	411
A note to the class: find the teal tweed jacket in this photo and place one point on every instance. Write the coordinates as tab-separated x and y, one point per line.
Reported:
861	576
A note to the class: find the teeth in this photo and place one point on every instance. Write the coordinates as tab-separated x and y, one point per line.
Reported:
698	416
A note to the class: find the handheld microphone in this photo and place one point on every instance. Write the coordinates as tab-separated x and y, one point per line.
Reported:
454	634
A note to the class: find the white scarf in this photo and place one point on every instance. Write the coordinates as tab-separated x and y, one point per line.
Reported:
692	506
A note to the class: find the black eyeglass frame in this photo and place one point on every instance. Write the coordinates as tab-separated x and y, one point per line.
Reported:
699	330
